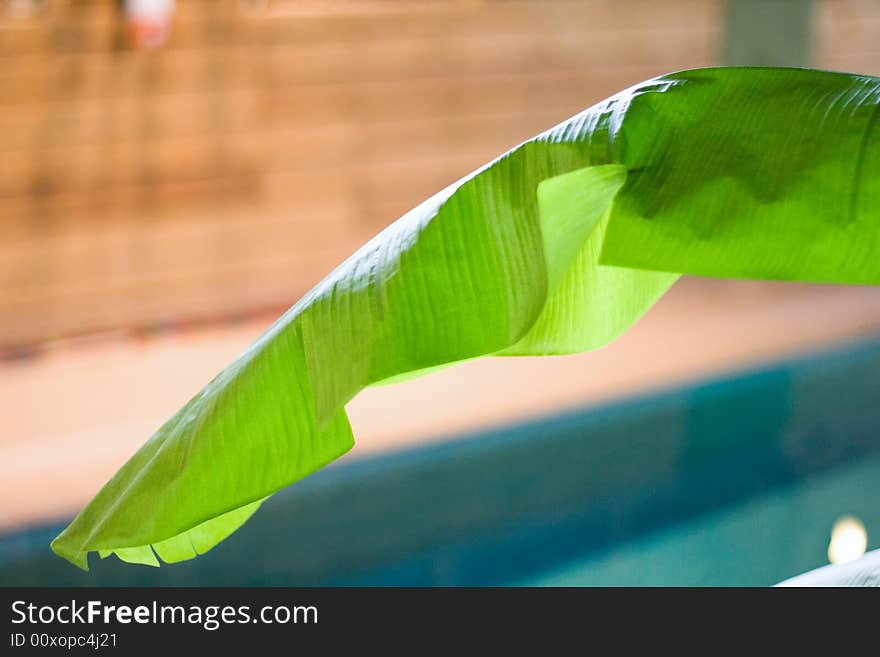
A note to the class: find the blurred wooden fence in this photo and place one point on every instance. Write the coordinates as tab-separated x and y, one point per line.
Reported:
231	169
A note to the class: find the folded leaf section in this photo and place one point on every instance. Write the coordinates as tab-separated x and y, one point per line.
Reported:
462	275
752	173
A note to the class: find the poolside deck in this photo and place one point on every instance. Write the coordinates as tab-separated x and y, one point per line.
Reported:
75	413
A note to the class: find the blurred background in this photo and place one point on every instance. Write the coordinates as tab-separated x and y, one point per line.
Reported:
173	175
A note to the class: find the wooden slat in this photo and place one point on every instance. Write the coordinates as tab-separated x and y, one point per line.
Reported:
33	79
93	167
172	116
94	29
121	276
357	174
848	36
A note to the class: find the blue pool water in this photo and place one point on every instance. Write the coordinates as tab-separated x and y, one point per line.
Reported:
759	542
735	481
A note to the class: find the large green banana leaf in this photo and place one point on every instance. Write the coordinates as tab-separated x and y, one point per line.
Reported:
555	247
